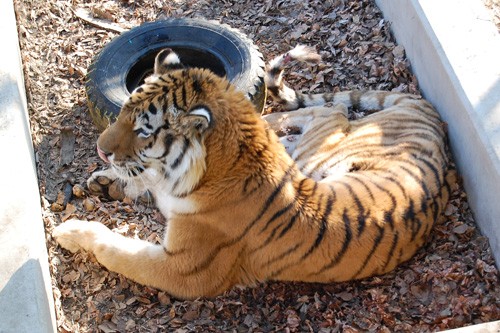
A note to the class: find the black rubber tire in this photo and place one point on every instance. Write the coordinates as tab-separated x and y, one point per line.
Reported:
127	59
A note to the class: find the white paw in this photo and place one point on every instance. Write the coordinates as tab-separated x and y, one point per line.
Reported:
74	235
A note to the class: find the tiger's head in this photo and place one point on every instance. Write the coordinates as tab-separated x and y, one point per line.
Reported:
181	126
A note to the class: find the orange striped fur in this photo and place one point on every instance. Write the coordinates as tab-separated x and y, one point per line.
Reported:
349	199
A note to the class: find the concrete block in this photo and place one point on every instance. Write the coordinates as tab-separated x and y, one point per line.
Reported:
26	301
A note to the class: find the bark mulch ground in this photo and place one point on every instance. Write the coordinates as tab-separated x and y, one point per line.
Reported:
450	283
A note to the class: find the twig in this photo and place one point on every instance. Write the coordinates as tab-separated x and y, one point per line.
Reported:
85	16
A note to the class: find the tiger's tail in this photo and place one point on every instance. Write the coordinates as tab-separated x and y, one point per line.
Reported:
450	179
274	75
291	99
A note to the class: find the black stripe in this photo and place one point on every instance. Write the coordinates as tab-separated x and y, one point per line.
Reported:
286	178
283	255
183	93
173	253
322	228
388	214
197	88
140	131
274	72
135	171
415	177
400	256
409	213
300	100
165	108
363	145
276	215
223	278
411	124
299	194
427	229
345	244
308	144
425	109
415	228
388	217
361	214
246	183
289	225
174	100
274	91
165	126
152	109
370	193
376	243
213	254
268	239
168	141
179	158
393	180
176	183
358	149
433	169
390	255
173	78
436	209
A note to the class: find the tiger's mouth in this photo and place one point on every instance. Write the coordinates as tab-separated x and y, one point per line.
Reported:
102	155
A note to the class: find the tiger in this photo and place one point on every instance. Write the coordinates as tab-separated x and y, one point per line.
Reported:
347	200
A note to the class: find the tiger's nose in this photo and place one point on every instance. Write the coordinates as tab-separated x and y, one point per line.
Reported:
103	155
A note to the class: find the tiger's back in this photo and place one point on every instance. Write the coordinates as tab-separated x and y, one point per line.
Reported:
390	169
382	183
350	199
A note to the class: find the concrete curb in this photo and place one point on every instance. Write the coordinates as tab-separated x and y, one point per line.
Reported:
26	300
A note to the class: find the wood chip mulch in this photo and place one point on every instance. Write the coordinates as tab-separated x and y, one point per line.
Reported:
452	282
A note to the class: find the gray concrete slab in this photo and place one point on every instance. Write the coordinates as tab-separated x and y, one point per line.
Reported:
455	55
26	301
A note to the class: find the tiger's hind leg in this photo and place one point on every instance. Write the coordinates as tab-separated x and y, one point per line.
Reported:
289	126
321	129
293	126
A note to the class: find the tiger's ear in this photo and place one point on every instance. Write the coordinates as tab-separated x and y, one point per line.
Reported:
166	60
199	119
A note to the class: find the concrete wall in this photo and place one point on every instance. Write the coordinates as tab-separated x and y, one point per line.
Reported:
454	50
26	301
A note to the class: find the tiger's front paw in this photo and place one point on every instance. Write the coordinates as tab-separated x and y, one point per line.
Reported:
75	235
106	184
